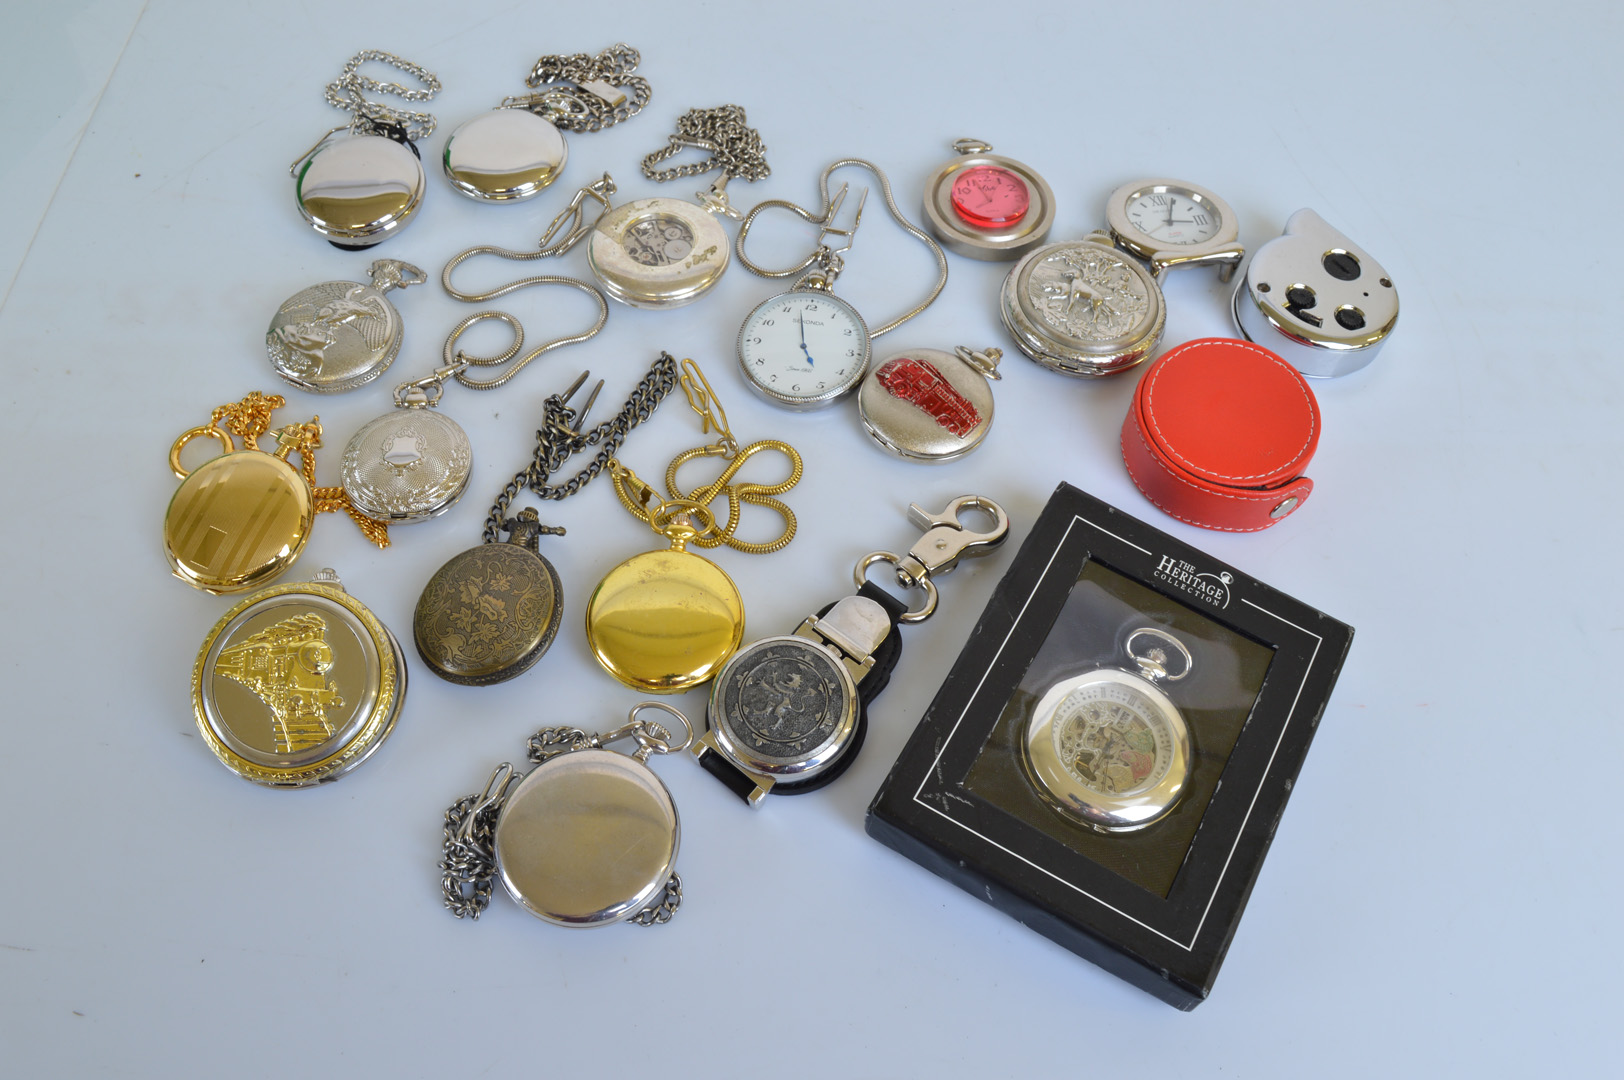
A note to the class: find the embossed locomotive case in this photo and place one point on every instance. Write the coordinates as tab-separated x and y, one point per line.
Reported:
1053	657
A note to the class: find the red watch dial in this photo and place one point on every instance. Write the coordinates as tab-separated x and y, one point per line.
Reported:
989	197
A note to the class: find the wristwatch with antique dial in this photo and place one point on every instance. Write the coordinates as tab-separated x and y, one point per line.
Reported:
1171	223
297	684
1108	748
928	405
339	335
987	207
1081	307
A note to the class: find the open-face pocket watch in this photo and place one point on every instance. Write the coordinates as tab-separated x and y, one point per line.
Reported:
587	838
517	149
297	684
1108	748
788	714
363	181
339	335
806	348
1172	223
242	517
987	207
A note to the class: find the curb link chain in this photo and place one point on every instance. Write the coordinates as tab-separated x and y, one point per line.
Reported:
575	109
348	92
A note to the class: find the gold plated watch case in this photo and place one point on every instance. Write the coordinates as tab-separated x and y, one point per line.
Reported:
359	189
1081	307
506	155
991	242
658	253
297	684
238	520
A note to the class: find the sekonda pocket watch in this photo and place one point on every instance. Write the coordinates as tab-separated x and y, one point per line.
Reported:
587	838
788	714
363	181
1172	223
297	684
517	149
1081	307
806	348
339	335
987	207
1108	748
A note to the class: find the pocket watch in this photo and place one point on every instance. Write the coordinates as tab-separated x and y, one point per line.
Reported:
987	207
788	714
1317	299
490	612
1171	223
663	253
928	405
664	621
339	335
297	684
363	181
587	838
241	518
517	149
1108	748
1081	307
413	462
805	348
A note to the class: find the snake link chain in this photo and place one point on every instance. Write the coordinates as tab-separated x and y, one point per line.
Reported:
348	92
558	440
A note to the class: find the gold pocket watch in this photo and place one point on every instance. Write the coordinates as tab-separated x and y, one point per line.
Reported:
297	684
665	621
240	519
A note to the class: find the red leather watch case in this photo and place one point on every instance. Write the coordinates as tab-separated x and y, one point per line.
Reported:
1219	433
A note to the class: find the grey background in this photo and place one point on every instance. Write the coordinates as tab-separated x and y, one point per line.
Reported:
1442	892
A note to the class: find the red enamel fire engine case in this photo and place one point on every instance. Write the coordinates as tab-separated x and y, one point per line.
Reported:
1219	434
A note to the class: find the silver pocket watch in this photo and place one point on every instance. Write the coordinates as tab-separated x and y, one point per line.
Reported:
363	180
587	838
1108	748
806	348
413	462
928	405
983	206
516	150
339	335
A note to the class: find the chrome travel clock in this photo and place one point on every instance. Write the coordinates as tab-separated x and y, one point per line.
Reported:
1172	223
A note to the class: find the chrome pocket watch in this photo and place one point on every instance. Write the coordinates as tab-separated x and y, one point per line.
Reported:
928	405
363	181
987	207
1171	224
413	462
297	684
1081	307
517	149
1108	748
806	348
242	517
490	612
1317	299
339	335
788	714
587	838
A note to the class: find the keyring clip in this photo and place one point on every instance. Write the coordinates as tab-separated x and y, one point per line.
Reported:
946	541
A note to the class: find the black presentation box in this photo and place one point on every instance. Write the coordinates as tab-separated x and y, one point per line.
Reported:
1158	905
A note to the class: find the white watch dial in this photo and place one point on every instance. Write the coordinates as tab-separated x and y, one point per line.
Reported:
803	349
1171	217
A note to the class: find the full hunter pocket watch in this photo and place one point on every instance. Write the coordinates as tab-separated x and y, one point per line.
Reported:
517	149
788	714
587	838
983	206
1108	748
339	335
297	684
806	348
363	181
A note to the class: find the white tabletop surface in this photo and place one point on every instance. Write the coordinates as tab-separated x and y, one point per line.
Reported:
1442	894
